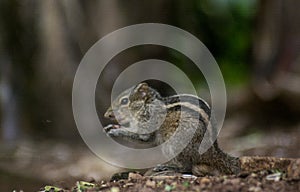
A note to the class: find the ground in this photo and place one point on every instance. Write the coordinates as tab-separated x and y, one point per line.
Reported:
259	174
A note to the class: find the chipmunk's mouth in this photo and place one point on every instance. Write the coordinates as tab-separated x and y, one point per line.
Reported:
123	122
117	119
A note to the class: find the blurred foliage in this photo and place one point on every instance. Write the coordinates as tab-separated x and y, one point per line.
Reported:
225	27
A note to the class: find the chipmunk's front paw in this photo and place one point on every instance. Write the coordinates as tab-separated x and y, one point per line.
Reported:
110	127
115	132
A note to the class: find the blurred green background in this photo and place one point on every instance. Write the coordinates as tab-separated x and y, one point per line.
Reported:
256	44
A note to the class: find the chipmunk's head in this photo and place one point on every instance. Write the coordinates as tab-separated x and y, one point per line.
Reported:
142	94
133	105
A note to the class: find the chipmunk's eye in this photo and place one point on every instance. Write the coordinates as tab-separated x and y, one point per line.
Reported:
124	101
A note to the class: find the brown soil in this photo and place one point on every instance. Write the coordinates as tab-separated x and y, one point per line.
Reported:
259	174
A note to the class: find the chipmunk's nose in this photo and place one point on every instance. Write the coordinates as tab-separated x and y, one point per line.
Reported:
109	114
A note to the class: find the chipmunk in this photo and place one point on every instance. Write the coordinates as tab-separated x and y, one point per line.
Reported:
144	115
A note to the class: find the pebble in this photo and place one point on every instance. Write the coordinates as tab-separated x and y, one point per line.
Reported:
134	176
128	184
235	181
115	189
274	177
255	189
188	176
204	181
150	183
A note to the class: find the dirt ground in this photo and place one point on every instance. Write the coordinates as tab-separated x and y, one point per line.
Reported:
259	174
245	182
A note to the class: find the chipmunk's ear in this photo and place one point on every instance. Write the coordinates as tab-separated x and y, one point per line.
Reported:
142	89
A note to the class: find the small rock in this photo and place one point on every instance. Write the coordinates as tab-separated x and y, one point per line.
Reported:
128	184
255	189
235	181
115	189
102	186
274	177
253	175
188	176
204	181
150	183
134	176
